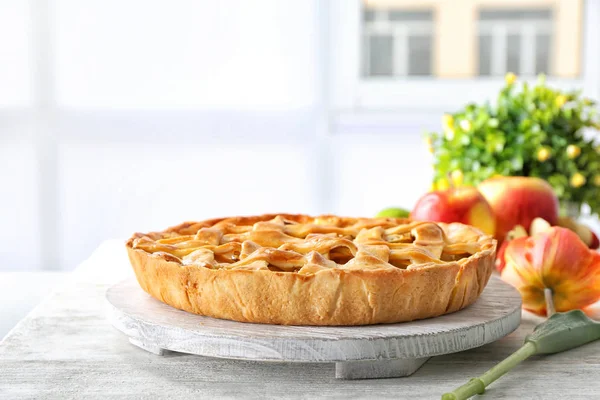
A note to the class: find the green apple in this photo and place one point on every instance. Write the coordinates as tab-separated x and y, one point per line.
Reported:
393	212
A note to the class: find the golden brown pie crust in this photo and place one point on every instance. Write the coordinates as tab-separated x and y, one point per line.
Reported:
300	270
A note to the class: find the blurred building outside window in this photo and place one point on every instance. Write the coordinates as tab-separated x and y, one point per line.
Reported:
397	42
467	38
517	41
398	63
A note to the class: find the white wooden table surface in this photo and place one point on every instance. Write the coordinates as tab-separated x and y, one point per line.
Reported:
20	292
66	349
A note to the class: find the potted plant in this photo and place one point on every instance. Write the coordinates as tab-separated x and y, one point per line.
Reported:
528	131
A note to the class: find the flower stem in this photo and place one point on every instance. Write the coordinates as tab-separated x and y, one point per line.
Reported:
550	309
478	385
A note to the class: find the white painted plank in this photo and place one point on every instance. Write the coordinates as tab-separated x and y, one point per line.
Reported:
494	315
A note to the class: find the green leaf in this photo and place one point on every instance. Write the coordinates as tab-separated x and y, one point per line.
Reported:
564	331
560	332
517	163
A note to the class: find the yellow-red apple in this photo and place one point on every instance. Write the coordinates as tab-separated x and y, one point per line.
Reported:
518	200
517	232
582	230
464	204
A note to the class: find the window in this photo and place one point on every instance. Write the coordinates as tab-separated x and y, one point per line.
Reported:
259	61
403	62
15	57
397	42
133	83
516	41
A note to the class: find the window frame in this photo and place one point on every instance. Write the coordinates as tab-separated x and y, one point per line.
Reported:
526	31
401	33
395	103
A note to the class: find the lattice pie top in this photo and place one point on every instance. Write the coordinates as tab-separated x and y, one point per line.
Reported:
306	245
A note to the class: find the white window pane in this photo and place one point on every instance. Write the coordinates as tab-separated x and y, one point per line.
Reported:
485	55
407	16
166	184
513	50
15	53
542	54
19	236
380	59
185	54
397	42
519	40
369	15
379	153
419	50
516	15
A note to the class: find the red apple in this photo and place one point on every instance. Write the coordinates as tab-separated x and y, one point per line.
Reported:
518	200
464	204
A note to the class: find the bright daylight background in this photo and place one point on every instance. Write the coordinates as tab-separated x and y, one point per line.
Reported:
131	115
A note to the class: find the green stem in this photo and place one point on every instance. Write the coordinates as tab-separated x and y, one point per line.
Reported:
478	385
550	309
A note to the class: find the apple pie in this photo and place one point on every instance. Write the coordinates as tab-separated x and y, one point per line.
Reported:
302	270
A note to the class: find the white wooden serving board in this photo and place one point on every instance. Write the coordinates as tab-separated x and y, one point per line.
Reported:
375	351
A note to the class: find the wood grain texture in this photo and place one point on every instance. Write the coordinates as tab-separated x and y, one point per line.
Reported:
495	314
20	292
66	349
378	369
